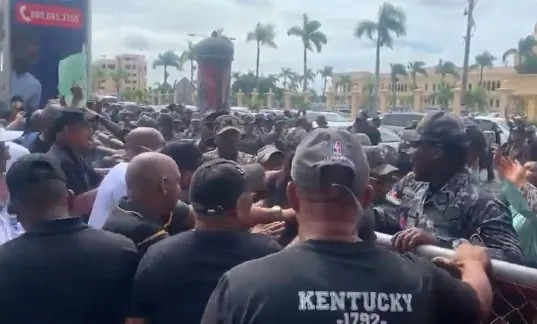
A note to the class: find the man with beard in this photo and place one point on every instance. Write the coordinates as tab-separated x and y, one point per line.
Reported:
227	141
440	202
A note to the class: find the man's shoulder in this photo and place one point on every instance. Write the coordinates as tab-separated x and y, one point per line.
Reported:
111	240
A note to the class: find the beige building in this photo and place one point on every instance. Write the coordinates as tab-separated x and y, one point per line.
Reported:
521	87
131	69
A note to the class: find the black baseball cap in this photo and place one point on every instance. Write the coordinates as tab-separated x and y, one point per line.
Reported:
439	127
32	169
71	116
325	147
216	186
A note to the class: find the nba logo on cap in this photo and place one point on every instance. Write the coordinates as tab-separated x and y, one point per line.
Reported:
336	147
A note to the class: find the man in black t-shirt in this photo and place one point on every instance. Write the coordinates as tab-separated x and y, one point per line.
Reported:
334	277
176	276
60	270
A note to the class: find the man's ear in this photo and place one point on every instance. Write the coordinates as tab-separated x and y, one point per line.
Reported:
292	196
70	199
366	198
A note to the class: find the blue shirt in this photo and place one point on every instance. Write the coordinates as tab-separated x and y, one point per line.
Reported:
27	87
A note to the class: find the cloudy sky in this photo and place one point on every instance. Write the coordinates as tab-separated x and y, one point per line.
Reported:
434	30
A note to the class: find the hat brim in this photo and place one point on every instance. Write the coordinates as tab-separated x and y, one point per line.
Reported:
384	169
265	156
9	135
227	129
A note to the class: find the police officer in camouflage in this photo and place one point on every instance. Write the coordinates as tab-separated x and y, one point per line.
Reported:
439	202
227	141
251	142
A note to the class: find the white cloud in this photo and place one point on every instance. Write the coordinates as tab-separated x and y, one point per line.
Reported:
434	30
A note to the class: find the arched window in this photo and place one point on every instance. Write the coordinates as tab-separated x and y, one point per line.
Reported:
491	103
488	85
426	87
493	86
498	84
469	86
405	87
497	103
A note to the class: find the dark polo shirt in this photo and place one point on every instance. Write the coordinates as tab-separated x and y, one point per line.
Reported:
64	271
81	176
126	220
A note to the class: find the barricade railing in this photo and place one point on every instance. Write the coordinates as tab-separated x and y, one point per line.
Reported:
514	286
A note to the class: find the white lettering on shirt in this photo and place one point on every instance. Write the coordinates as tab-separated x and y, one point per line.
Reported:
358	307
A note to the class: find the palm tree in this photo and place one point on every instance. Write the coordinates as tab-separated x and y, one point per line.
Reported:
168	59
294	83
262	35
311	37
446	67
345	81
482	61
188	55
396	70
119	76
524	50
390	22
235	76
285	75
415	68
98	76
309	76
325	73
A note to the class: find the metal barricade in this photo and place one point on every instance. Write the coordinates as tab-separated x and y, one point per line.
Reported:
514	286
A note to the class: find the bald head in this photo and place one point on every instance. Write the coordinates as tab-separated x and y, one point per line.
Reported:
143	139
150	168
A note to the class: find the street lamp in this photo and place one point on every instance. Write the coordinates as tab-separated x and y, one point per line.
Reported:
470	25
214	56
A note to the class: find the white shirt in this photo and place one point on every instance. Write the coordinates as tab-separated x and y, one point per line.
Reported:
9	227
112	189
16	151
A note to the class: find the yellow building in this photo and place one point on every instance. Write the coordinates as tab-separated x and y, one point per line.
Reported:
518	92
133	67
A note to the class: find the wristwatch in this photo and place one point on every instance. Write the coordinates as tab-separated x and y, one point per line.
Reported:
277	212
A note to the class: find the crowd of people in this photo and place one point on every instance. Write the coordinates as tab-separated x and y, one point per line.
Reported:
132	215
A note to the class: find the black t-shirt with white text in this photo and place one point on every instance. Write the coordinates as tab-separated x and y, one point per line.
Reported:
177	275
340	283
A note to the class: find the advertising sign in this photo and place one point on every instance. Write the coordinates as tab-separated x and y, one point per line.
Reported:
44	33
5	71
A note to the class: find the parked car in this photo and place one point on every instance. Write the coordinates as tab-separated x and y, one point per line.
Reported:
389	137
486	123
397	121
334	119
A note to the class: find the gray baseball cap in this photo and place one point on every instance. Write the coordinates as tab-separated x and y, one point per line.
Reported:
325	147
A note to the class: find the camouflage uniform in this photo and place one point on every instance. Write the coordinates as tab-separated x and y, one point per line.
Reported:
460	210
251	143
242	158
529	192
294	137
222	124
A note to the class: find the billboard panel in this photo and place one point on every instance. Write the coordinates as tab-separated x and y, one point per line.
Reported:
44	32
4	52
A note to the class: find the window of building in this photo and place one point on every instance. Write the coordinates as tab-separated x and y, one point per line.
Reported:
405	88
134	82
497	103
426	87
498	84
488	86
434	87
103	66
127	81
491	102
469	86
111	66
493	85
